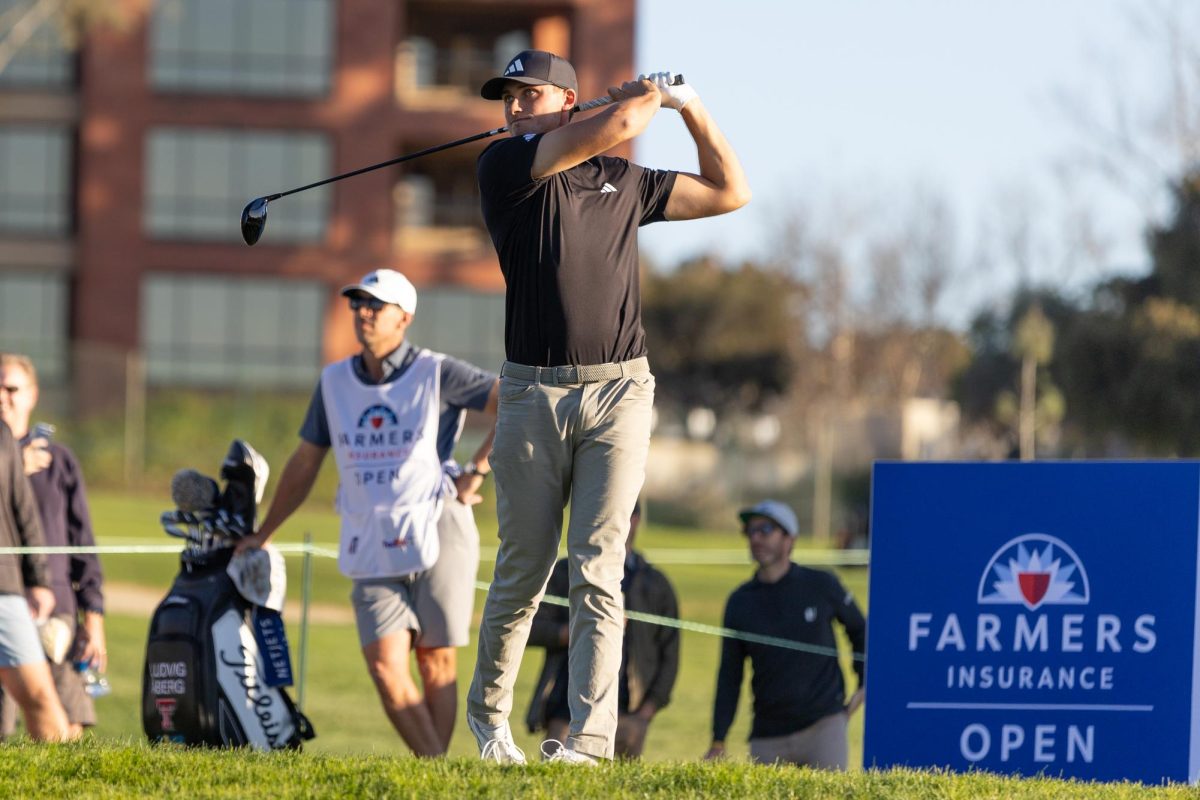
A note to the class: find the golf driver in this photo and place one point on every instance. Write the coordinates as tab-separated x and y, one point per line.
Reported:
254	215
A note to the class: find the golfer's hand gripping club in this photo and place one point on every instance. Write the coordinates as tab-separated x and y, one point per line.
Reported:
675	93
674	81
254	215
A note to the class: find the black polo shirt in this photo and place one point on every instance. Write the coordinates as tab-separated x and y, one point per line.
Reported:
567	245
792	689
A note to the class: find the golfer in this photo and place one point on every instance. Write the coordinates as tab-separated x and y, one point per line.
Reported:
576	392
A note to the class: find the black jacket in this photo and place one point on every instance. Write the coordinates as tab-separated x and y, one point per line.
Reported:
66	522
652	651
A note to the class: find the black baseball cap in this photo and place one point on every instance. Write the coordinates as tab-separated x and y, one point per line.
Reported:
533	67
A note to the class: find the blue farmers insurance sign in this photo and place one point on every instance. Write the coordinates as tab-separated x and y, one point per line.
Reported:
1035	617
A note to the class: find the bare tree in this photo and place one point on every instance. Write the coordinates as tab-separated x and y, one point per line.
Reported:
874	275
1138	140
73	19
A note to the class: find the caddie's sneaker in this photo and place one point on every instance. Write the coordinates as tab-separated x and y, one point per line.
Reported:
495	742
554	751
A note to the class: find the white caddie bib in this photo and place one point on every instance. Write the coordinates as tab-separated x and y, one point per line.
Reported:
384	438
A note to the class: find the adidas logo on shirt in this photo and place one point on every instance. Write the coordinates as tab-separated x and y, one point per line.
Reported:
606	188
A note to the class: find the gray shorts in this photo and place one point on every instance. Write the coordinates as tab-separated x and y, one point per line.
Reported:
436	605
19	642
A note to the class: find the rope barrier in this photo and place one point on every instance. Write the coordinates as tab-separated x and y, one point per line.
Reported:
655	556
680	557
711	630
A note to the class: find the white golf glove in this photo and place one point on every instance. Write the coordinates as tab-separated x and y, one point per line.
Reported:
675	97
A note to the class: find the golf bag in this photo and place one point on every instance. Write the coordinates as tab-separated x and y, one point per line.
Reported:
216	663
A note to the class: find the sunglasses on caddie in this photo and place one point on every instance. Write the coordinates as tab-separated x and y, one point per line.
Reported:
373	303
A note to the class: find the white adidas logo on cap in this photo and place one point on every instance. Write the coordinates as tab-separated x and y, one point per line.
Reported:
514	66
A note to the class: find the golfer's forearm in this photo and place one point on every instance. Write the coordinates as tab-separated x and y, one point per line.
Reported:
719	165
629	116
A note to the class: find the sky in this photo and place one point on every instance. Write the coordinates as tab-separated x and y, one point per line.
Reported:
868	99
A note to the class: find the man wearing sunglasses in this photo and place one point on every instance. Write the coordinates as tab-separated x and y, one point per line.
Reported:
392	415
800	706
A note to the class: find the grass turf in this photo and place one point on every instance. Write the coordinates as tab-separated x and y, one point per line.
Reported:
129	770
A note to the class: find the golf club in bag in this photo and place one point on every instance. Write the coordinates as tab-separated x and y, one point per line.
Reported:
216	658
254	215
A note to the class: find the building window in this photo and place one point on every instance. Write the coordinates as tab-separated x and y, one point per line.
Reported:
35	170
198	182
42	61
33	320
436	205
439	52
200	330
461	323
265	47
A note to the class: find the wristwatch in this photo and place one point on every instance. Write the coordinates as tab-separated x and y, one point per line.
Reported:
471	468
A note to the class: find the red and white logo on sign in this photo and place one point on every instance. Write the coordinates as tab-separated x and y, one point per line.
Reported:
1034	570
166	712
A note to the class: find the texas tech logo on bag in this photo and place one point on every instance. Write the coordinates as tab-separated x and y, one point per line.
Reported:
166	708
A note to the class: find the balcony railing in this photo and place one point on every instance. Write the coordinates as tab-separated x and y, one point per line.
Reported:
426	71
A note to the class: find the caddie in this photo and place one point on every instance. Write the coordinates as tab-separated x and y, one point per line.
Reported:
392	414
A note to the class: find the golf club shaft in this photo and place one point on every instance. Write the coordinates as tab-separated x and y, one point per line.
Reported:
398	160
588	106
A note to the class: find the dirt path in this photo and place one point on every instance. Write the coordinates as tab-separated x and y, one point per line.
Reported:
135	600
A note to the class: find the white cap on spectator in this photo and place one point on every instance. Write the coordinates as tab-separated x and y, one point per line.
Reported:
777	512
387	285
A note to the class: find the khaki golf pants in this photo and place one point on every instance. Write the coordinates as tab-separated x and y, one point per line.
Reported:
822	745
585	443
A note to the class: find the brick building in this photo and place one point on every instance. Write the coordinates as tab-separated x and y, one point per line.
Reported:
124	168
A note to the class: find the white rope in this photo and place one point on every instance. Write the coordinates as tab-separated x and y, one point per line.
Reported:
711	630
681	557
689	557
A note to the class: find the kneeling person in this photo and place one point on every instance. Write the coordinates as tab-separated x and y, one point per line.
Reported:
392	415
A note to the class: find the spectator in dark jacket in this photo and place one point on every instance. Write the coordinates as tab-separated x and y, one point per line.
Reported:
75	578
25	596
649	658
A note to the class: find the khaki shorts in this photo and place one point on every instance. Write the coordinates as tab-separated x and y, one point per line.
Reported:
436	605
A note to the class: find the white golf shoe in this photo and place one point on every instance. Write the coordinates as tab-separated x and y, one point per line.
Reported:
554	751
495	742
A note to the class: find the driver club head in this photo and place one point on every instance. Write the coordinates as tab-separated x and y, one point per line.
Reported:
254	219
